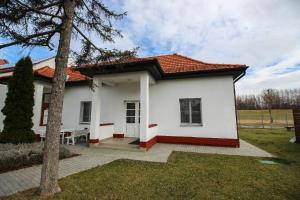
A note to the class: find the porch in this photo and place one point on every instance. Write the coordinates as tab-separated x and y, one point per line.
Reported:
126	143
120	104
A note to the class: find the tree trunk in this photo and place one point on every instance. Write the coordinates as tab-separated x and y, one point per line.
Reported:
49	177
271	116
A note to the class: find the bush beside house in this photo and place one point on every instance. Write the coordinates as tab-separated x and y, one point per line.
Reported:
18	109
16	156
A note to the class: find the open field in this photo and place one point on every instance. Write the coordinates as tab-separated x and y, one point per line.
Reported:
193	176
282	117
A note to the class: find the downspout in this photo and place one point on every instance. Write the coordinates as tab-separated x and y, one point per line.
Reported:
236	118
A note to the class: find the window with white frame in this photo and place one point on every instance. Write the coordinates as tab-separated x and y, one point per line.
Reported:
190	111
85	111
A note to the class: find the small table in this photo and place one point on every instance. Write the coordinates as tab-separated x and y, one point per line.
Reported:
62	134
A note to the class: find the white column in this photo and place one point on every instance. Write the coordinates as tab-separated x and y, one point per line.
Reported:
3	91
95	114
37	108
144	100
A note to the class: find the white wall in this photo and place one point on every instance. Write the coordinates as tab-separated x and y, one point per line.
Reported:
112	108
71	107
218	109
3	91
37	108
38	95
40	87
106	131
112	103
216	93
50	62
152	132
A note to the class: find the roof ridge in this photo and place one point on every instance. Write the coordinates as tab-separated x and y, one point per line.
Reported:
192	59
160	55
207	63
42	68
42	60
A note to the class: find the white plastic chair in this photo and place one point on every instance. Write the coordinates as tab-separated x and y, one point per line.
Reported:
75	134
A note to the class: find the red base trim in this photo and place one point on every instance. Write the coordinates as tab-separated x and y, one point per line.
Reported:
94	141
224	142
118	135
106	124
147	145
152	125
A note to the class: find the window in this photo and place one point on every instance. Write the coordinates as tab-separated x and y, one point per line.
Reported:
85	111
44	110
130	113
190	111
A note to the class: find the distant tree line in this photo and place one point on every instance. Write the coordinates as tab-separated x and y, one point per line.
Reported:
270	99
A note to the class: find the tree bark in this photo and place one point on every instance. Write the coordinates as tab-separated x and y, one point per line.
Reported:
271	116
49	177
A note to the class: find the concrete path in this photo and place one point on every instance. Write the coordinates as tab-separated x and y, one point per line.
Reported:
23	179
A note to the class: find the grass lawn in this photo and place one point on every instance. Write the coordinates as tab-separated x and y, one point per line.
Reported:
193	176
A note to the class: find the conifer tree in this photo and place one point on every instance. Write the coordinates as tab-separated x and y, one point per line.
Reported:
52	24
18	109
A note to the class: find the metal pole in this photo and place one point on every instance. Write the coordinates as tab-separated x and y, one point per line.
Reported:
262	119
286	119
239	120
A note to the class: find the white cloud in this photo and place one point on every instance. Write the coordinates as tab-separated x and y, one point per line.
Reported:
265	35
253	32
285	74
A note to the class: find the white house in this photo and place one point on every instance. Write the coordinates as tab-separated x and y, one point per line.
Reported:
167	98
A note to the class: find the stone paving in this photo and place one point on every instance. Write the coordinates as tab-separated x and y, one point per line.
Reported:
23	179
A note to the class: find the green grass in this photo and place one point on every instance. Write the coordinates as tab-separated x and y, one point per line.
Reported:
193	176
274	141
280	116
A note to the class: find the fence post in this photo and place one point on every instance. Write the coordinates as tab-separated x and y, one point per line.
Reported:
239	120
262	119
286	119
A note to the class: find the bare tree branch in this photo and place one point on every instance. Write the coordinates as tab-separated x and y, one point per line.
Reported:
27	38
86	38
49	5
37	10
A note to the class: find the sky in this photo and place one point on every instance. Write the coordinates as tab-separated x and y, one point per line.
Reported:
264	35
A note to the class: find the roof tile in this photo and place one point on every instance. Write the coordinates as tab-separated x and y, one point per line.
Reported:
48	72
173	64
73	76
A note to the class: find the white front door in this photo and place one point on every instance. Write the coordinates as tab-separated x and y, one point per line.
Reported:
132	119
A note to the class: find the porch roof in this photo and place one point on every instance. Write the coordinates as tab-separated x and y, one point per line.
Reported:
165	67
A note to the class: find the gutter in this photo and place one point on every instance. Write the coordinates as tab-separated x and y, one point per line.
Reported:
240	76
153	67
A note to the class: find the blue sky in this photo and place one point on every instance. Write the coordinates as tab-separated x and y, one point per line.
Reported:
264	35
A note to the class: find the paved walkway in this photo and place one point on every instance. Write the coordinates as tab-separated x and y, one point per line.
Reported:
23	179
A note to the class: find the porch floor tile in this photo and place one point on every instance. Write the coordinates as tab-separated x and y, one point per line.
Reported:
119	141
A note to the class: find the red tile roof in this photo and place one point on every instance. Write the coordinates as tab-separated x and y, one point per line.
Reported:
3	62
174	64
48	72
73	76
